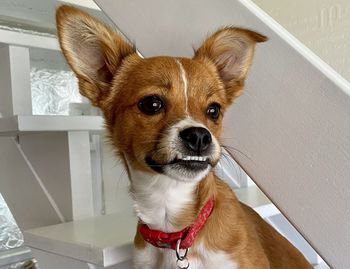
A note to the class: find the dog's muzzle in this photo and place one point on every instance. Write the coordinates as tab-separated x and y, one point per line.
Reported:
186	151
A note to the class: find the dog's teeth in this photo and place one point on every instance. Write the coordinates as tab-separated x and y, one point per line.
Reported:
192	158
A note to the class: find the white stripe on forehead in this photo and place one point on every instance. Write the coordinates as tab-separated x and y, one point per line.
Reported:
184	80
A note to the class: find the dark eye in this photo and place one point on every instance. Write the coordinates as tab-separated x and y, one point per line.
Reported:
213	111
151	105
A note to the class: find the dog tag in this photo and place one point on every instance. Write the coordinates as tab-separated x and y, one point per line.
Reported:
183	264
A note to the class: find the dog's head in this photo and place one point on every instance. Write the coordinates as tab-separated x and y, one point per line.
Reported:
164	114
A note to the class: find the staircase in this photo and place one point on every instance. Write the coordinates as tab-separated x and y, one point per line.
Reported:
63	190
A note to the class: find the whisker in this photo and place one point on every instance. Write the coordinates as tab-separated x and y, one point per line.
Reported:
236	150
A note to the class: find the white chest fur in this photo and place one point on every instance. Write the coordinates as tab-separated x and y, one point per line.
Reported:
159	199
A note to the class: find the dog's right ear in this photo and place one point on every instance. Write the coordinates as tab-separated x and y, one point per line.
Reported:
93	51
231	50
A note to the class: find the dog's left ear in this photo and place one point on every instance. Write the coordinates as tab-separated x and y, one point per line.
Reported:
231	50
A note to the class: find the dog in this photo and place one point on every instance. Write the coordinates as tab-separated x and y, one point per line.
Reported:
164	118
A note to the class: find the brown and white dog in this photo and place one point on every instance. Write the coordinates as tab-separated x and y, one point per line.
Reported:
164	117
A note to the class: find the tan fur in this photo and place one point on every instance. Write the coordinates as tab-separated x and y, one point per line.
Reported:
115	78
236	228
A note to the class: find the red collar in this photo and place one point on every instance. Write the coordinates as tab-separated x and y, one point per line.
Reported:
168	240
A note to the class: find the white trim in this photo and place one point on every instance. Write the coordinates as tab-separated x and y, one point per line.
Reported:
28	40
83	3
47	123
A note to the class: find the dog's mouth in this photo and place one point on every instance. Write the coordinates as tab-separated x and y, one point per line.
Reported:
193	163
190	163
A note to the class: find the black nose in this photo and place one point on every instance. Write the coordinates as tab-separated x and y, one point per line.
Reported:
196	139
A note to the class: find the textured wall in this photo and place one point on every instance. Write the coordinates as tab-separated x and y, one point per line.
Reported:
322	25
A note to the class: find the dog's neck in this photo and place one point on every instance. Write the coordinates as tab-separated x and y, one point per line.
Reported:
160	201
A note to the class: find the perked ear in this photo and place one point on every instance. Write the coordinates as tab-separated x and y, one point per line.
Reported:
93	51
231	50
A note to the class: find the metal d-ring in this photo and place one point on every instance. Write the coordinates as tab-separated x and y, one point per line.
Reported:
181	258
178	254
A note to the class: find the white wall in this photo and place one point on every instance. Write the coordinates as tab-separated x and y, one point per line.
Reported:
322	25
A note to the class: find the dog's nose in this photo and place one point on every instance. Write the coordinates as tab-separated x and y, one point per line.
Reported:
196	139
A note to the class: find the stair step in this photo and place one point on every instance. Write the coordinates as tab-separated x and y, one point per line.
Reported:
104	240
16	124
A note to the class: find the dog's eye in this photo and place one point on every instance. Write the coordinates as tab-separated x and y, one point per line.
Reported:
151	105
213	111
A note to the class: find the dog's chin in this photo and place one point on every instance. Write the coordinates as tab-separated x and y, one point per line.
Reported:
182	170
